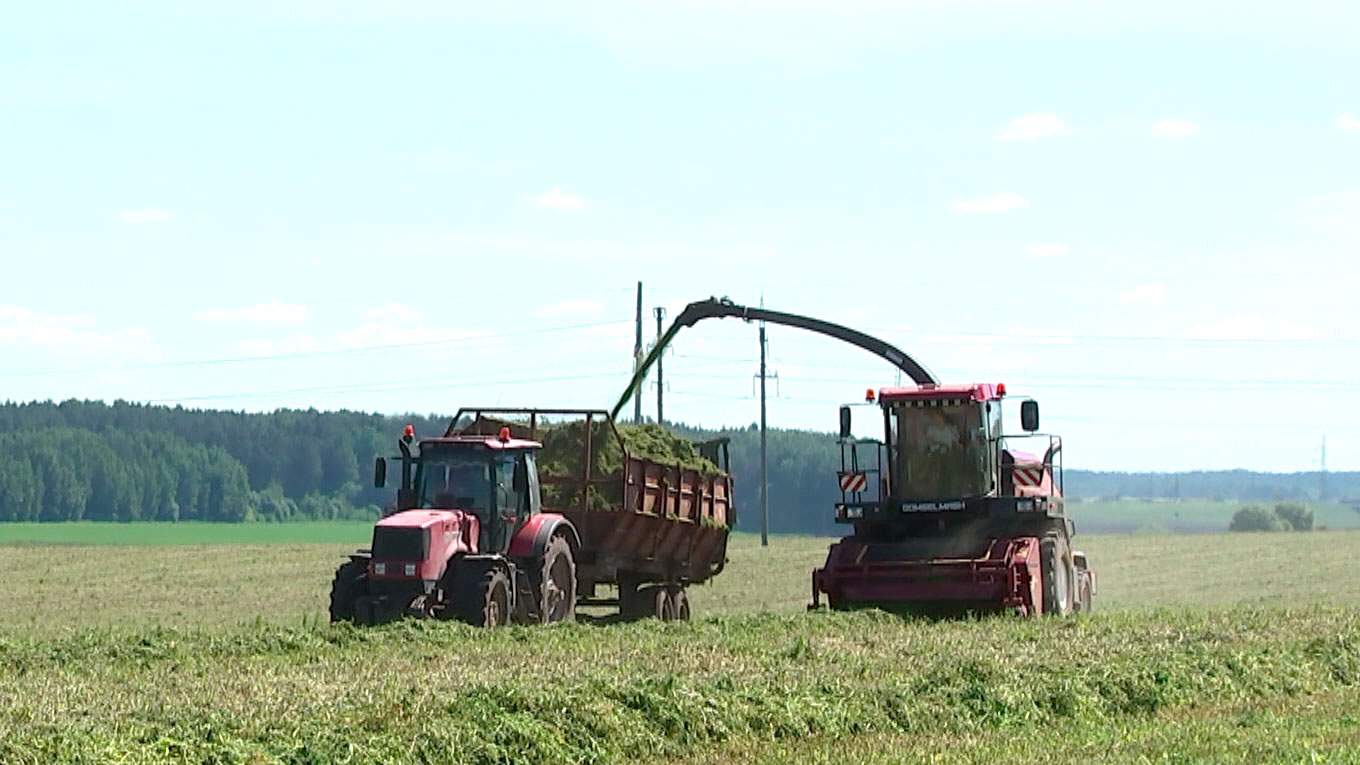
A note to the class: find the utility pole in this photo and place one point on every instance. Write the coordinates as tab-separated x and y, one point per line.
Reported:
637	358
764	467
660	383
1322	488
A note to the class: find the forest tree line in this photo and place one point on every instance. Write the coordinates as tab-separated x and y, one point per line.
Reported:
88	460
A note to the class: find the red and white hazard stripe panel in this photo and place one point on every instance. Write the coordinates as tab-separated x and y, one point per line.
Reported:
1029	476
854	481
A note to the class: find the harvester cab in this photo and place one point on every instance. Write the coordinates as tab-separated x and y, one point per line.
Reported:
949	514
467	539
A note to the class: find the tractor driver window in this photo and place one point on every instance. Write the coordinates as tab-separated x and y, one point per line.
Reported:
456	484
507	498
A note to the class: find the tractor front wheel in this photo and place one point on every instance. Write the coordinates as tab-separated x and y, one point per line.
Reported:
350	583
482	599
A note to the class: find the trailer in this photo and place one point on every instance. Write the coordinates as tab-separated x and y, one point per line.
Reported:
492	525
649	528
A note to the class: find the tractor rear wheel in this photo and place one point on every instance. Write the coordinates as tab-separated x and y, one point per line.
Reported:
1055	564
679	603
482	599
556	583
350	583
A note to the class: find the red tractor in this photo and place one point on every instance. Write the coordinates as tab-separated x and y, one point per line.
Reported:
468	540
949	516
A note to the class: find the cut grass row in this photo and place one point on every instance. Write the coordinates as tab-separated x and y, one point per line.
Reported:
423	692
1229	647
60	588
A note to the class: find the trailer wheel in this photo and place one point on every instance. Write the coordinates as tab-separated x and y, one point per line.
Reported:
482	600
556	583
663	605
1055	559
679	603
350	583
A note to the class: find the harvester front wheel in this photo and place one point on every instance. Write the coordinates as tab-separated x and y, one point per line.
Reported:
482	601
556	580
350	583
1055	562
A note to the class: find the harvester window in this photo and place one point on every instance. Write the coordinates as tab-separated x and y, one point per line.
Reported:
942	450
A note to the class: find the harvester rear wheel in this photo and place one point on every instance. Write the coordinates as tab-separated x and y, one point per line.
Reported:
679	603
556	583
350	583
1055	563
482	601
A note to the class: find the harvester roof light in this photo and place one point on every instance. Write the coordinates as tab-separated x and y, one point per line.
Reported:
869	395
1001	389
505	434
408	433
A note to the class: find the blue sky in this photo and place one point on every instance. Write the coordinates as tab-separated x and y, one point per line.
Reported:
1147	215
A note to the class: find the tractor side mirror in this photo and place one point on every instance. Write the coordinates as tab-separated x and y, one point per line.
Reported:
1029	415
520	480
379	473
845	422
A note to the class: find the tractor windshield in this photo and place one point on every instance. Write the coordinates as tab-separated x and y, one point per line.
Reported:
942	450
455	481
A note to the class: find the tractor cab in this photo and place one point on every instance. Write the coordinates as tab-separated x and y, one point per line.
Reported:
493	478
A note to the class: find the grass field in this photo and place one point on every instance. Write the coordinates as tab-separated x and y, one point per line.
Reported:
1205	648
1185	517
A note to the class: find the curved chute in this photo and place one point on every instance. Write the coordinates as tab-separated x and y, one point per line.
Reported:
724	308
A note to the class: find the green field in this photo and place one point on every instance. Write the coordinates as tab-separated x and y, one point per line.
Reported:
1130	516
1205	648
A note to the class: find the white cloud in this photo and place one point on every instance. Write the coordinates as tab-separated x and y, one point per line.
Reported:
1144	294
393	311
557	199
1174	130
271	314
623	251
70	333
568	308
1046	250
386	332
1337	211
1032	126
144	216
267	346
1347	124
993	205
1243	327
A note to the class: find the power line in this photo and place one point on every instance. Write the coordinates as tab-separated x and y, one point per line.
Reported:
307	354
426	384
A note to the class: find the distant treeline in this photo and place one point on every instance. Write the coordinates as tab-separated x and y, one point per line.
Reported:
87	460
1228	485
95	461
